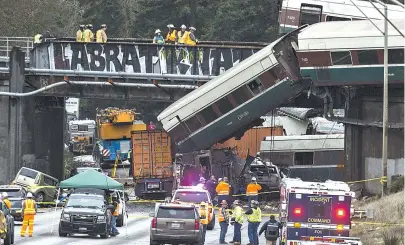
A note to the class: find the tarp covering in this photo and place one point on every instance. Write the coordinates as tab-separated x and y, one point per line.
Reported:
91	179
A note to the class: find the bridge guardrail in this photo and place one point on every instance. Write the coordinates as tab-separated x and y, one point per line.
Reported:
7	43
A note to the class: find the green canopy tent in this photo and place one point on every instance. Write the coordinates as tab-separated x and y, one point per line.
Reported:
91	179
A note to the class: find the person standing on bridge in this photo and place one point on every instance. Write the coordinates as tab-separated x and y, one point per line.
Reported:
101	36
88	34
171	34
252	191
29	211
38	39
158	37
80	34
181	35
189	38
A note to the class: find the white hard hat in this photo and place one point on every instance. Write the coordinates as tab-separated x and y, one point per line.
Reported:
254	179
202	179
170	26
157	31
183	26
192	28
4	194
29	195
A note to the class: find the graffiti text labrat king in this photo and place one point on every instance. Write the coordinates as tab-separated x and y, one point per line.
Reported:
147	58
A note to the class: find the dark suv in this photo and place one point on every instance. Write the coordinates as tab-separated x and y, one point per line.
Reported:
16	195
10	224
86	213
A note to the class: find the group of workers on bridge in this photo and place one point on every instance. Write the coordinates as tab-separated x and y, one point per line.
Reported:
235	216
174	36
85	34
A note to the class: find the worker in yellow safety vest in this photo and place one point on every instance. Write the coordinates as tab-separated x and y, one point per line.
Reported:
3	227
80	34
114	217
204	219
171	34
88	34
189	38
252	191
181	35
223	190
4	195
223	220
254	217
29	211
101	36
38	39
237	221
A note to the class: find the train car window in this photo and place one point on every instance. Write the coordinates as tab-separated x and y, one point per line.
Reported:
193	124
303	158
335	18
224	105
395	56
241	95
256	87
367	57
209	114
341	58
310	14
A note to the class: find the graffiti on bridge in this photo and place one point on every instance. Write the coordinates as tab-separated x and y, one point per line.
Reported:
146	58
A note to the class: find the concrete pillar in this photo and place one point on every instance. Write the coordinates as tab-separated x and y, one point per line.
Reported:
17	78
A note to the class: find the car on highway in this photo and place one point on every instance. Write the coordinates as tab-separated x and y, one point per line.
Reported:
195	195
10	224
86	213
175	224
16	195
41	185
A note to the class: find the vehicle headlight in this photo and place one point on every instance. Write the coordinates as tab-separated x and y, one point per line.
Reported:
100	218
66	216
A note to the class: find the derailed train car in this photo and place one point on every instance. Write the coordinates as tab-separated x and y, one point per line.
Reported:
233	102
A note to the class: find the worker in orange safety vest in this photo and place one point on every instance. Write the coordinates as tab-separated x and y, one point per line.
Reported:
223	220
29	211
252	191
223	190
114	217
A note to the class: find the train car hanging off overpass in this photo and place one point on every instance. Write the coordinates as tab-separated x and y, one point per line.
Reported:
230	104
349	54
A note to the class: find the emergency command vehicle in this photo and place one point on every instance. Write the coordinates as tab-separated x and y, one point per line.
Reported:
313	212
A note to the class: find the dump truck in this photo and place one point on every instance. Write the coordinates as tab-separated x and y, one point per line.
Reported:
152	166
114	127
81	136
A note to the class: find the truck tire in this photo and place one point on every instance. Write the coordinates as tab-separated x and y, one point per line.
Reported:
105	235
61	234
211	225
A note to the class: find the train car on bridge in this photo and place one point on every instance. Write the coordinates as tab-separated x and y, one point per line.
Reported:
295	13
344	54
233	102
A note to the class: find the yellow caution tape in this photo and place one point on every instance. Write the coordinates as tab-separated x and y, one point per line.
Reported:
375	223
382	180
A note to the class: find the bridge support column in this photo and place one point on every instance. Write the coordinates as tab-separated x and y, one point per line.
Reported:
17	78
31	128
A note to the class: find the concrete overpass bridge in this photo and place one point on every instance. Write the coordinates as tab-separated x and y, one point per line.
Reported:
127	69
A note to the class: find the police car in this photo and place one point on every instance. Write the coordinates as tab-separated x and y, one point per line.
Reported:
195	195
314	212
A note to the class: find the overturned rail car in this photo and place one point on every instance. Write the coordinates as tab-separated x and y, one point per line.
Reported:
233	102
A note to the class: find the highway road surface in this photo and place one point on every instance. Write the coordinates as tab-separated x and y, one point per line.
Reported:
137	232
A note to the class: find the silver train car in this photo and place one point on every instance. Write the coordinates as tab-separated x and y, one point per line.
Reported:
233	102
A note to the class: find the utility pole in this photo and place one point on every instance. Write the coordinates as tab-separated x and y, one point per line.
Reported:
385	106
